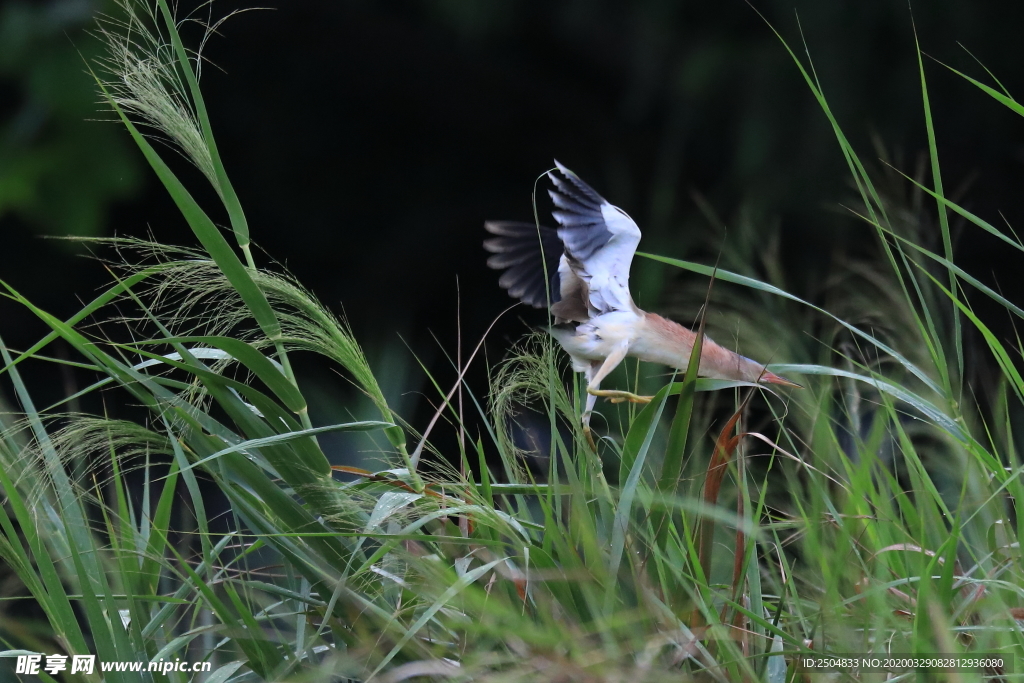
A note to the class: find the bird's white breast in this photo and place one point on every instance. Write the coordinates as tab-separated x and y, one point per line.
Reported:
599	336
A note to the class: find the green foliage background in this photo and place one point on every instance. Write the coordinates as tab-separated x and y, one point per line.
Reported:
59	171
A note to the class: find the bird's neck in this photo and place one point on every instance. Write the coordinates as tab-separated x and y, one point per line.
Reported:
671	344
664	341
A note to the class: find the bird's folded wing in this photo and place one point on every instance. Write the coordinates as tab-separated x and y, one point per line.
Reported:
600	240
527	253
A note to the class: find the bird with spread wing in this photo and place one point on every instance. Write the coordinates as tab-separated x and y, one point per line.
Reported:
581	270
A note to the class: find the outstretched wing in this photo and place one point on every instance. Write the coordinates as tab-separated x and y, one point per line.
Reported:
600	240
527	253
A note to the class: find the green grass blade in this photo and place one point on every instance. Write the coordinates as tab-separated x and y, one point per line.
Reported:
638	443
745	281
947	240
239	225
252	359
925	407
1003	99
463	582
205	230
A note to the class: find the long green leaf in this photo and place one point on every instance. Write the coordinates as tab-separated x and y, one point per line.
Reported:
208	233
1003	99
291	436
745	281
638	441
460	584
925	407
947	240
251	358
224	187
93	306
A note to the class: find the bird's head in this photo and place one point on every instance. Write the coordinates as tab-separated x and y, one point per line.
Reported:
771	378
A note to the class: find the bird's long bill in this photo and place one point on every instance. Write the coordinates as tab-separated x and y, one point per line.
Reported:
772	378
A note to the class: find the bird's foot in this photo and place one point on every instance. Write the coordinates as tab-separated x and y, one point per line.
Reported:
619	396
590	437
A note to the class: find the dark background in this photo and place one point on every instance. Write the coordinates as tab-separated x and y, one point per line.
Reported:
369	141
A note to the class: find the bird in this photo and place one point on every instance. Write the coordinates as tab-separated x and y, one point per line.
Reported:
580	272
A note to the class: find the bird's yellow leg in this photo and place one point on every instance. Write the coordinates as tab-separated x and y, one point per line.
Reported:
616	396
596	373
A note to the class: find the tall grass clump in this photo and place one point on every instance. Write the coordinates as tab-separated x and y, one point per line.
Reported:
720	534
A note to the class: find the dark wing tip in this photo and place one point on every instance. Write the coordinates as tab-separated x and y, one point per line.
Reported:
575	189
579	213
525	251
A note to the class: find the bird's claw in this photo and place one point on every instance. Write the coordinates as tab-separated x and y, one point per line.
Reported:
632	399
620	396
